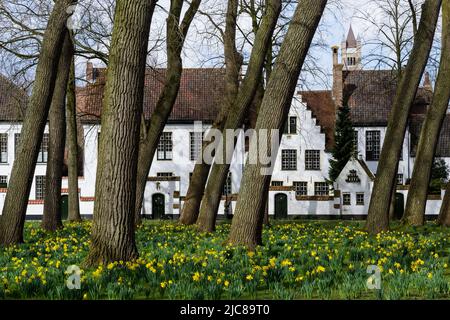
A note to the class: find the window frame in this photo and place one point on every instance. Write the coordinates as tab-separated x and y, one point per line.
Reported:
318	185
375	145
289	160
312	160
43	149
301	188
344	196
40	187
166	143
3	147
358	202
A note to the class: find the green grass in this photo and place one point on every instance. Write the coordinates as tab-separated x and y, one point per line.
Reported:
299	260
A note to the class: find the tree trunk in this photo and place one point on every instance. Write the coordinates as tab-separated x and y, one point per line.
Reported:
72	143
51	220
213	192
444	214
429	134
113	236
176	34
16	201
233	62
249	213
378	215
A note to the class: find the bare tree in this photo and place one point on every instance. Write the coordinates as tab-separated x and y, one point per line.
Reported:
378	215
16	201
246	228
51	219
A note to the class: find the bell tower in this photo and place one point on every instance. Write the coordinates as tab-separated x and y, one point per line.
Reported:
351	52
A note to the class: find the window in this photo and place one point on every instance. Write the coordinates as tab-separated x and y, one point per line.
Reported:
360	199
3	181
40	187
312	159
291	126
346	199
165	146
400	178
3	147
16	143
196	139
277	183
227	187
301	188
288	159
355	143
373	145
321	189
351	61
164	174
43	151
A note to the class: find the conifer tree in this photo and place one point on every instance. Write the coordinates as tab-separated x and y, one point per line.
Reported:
343	142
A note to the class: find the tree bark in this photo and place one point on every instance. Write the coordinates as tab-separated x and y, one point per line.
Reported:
213	192
249	213
113	231
72	144
16	201
51	220
444	214
233	63
176	34
378	215
429	136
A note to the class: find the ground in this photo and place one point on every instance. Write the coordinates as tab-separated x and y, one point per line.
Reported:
300	260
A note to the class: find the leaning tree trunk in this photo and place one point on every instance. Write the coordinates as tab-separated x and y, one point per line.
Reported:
429	134
176	34
233	63
378	215
51	220
72	145
444	214
249	213
15	206
213	192
113	236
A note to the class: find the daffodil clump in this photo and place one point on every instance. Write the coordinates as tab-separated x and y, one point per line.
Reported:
298	260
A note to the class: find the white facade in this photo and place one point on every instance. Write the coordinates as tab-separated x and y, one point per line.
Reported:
297	179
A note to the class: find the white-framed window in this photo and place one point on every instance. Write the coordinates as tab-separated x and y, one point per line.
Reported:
312	159
40	187
301	188
3	147
277	183
228	186
400	178
43	150
291	125
321	189
165	146
3	181
164	174
360	198
16	143
346	199
373	145
289	159
355	143
196	140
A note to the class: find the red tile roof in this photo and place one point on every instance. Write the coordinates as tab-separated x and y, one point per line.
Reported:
199	98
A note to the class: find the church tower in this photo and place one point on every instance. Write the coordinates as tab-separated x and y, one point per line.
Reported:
351	52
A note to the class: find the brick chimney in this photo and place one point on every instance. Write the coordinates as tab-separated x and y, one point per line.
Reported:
89	72
338	80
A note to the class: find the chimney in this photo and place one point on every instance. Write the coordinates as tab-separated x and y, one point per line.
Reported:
427	82
338	81
89	72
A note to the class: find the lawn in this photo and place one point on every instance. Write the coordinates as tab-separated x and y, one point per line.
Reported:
300	260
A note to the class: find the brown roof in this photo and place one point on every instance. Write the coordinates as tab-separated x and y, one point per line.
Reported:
13	101
372	94
199	98
322	107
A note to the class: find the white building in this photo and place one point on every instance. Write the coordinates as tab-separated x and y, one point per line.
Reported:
300	179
